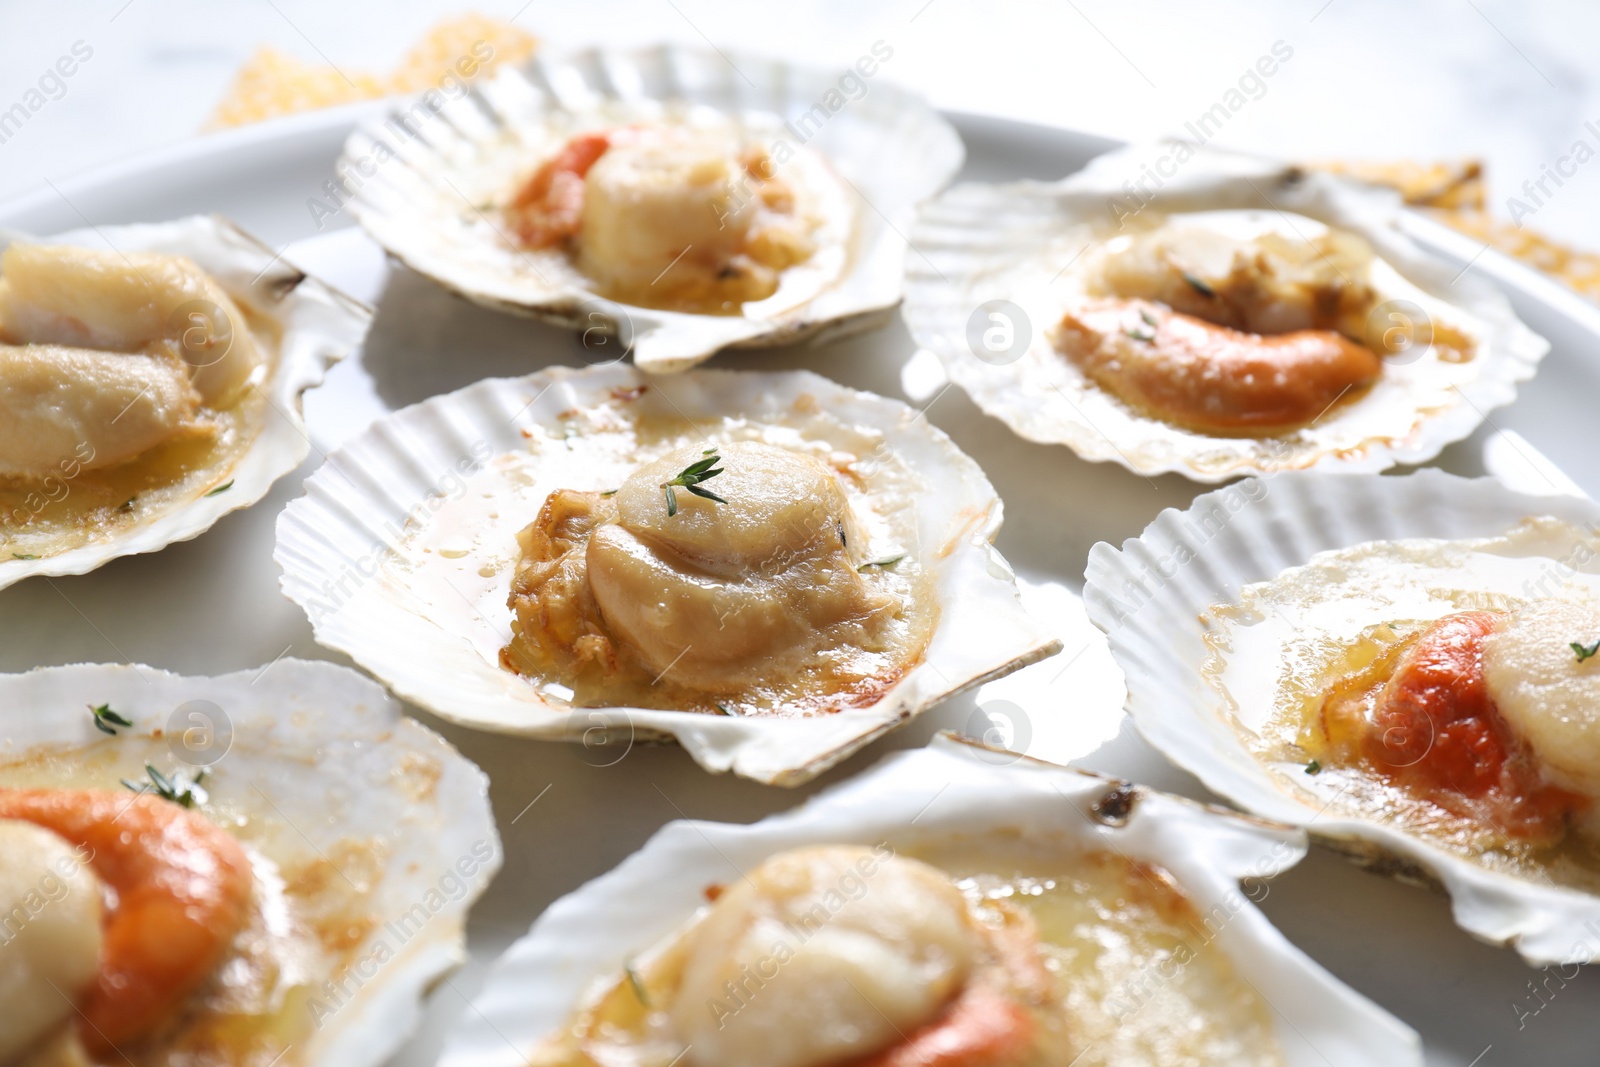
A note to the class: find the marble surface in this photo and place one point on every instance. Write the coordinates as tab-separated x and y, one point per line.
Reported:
1509	81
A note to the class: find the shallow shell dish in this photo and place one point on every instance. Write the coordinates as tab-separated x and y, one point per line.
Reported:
995	267
369	837
404	549
75	520
960	804
432	179
1206	677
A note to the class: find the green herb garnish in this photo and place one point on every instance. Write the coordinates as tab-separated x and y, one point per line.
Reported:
637	983
106	720
721	709
690	478
223	488
23	555
184	794
1313	767
127	505
611	492
1140	333
1583	651
1199	286
888	561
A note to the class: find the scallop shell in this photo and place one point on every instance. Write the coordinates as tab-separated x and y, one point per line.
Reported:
1148	596
952	789
980	243
445	657
333	756
319	326
420	173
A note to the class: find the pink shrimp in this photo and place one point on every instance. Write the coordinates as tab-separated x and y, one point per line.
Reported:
548	209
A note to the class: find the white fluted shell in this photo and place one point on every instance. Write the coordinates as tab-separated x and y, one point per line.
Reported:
323	756
316	326
1022	242
350	555
425	175
1149	596
953	790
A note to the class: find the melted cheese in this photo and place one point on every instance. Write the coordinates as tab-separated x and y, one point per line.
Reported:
50	934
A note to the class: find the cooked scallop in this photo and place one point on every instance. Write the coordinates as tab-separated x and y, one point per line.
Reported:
680	220
75	409
1403	665
1269	284
768	567
939	909
50	934
149	387
1547	694
1236	316
275	887
880	965
115	302
710	593
661	197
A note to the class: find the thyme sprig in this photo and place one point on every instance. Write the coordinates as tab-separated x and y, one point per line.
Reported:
1583	651
886	563
106	720
690	477
1146	333
1199	286
182	793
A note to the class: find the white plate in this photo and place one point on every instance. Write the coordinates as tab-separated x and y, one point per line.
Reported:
212	605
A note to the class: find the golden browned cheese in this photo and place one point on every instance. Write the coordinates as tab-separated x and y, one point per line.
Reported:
1208	378
715	598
